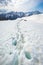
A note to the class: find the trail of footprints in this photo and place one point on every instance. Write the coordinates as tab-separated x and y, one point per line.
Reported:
26	52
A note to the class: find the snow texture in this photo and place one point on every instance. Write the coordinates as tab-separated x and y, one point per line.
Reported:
21	41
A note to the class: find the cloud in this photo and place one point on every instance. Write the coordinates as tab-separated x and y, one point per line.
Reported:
4	2
26	5
21	5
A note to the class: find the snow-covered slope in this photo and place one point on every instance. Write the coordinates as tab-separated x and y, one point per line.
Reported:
21	41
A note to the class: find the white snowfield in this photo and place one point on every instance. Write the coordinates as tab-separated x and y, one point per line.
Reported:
21	41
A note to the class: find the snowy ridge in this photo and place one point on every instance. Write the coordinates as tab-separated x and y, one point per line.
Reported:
5	15
25	46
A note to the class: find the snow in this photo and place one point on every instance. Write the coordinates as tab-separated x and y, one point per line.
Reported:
27	33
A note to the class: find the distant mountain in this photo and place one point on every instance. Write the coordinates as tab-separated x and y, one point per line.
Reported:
11	15
32	13
14	15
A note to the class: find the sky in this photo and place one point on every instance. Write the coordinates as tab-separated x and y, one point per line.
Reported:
22	5
40	7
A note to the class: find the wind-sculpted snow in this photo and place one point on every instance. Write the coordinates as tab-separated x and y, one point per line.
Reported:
21	41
